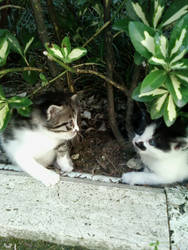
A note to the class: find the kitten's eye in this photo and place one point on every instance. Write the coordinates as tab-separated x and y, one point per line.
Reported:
64	124
152	142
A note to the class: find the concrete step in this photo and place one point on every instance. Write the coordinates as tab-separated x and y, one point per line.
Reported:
86	213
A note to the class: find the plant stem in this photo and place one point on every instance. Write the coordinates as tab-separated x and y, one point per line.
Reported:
48	83
96	34
6	71
107	79
53	17
106	24
109	58
130	103
64	65
42	31
10	6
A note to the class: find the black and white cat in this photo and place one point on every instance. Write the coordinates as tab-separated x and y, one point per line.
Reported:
41	140
164	153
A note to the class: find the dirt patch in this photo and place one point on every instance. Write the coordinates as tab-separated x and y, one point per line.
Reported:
99	153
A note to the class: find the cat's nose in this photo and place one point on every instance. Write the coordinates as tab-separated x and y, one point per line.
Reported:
140	145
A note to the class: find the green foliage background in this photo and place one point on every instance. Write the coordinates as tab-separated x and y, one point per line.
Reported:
144	33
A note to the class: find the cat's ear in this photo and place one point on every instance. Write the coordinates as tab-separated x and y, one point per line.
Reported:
52	111
75	100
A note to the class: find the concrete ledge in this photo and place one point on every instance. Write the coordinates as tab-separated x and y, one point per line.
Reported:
177	200
84	213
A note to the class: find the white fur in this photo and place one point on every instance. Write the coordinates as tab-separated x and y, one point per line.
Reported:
33	150
65	163
165	167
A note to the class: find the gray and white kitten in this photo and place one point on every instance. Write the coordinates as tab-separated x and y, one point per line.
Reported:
164	153
41	140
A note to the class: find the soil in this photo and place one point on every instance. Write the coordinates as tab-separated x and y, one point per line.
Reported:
99	154
96	151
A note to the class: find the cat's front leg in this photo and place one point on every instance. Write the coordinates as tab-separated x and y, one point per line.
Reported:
63	159
142	178
35	169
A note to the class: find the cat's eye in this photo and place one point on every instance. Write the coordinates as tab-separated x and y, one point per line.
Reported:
64	124
152	142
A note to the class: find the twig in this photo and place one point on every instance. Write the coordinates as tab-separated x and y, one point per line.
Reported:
11	6
115	84
130	104
96	34
48	83
6	71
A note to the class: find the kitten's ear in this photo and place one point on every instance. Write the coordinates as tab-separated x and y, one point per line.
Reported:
52	111
75	100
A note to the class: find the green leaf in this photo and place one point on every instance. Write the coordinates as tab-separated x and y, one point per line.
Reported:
184	90
176	10
157	107
14	44
174	86
170	113
153	80
138	59
161	52
28	44
140	12
130	11
76	54
30	77
136	97
148	96
178	45
121	25
182	75
161	46
2	94
44	79
158	8
4	50
5	114
24	111
66	46
54	50
142	38
19	102
180	65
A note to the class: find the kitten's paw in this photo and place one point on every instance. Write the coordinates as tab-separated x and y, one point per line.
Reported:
50	179
131	178
65	164
67	168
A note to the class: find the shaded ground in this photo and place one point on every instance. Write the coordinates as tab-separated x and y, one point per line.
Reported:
99	153
96	151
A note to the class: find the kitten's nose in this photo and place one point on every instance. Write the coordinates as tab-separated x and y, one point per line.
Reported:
76	128
140	145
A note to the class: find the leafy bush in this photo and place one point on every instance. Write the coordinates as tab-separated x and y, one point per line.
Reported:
157	31
8	44
62	55
165	88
